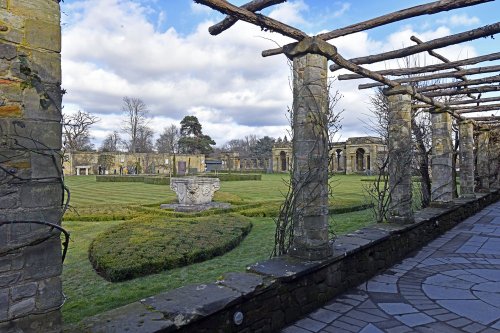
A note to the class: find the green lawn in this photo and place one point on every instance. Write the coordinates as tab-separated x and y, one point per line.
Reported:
88	293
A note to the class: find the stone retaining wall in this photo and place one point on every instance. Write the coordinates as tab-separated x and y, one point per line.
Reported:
276	292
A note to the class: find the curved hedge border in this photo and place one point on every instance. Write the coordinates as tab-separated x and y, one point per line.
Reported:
161	180
149	245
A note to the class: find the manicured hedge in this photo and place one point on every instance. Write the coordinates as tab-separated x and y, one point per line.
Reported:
228	177
157	180
149	245
120	179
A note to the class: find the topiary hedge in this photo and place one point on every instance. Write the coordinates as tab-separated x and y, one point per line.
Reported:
119	179
157	180
228	177
152	244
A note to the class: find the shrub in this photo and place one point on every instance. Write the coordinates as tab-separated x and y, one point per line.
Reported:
121	179
228	177
152	244
157	180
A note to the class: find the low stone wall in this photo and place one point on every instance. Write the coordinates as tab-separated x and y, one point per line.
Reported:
276	292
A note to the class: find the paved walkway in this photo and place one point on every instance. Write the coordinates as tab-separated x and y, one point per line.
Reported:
451	285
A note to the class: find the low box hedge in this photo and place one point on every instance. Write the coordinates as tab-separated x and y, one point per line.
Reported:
120	179
152	244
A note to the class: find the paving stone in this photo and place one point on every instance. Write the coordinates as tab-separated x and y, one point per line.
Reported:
437	327
475	310
344	326
436	311
446	317
459	322
370	328
473	328
415	319
338	307
399	329
324	315
310	324
397	308
294	329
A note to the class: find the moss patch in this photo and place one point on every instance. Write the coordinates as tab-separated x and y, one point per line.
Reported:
152	244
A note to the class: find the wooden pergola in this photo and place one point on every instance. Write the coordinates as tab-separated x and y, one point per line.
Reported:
404	89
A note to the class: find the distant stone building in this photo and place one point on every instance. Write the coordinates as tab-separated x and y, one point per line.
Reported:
356	155
93	163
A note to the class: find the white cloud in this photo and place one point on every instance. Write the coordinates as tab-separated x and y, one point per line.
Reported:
343	8
290	12
223	80
460	20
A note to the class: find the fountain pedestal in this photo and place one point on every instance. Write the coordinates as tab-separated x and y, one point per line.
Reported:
194	194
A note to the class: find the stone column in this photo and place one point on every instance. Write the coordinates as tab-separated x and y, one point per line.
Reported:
442	153
30	177
310	157
483	159
400	155
466	146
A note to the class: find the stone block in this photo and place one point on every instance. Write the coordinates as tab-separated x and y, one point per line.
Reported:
10	198
44	35
22	308
3	4
4	304
43	260
36	135
46	165
10	91
49	293
13	27
22	291
11	111
44	10
6	280
41	195
7	51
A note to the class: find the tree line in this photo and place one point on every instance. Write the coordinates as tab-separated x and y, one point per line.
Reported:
136	135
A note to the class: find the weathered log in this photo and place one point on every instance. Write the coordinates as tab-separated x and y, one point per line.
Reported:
262	21
475	101
455	74
454	92
426	9
488	118
252	6
482	108
483	80
427	69
485	31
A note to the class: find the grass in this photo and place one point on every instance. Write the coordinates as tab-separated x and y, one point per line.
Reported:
88	293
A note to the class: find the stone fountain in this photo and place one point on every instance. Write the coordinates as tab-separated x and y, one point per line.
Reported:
194	194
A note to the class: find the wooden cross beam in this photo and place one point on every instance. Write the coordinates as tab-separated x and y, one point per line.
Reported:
486	31
483	80
456	74
454	92
491	107
426	9
262	21
252	6
426	69
475	101
489	118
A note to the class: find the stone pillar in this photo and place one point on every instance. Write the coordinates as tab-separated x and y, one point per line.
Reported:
466	146
441	159
400	155
483	160
31	174
310	157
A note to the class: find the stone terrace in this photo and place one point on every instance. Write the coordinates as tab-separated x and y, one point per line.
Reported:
450	285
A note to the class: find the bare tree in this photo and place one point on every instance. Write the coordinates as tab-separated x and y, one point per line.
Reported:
136	116
144	140
168	140
76	131
111	143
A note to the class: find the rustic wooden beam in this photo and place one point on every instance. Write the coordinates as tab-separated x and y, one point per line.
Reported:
491	107
442	58
253	6
485	31
454	92
262	21
426	9
475	101
439	86
455	74
427	69
488	118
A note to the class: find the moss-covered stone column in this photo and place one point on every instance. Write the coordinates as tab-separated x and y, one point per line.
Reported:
30	175
400	155
483	160
310	157
441	159
466	146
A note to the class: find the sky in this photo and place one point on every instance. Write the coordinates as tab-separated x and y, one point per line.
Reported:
161	52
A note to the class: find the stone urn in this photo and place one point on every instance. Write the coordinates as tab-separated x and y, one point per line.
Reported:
194	190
